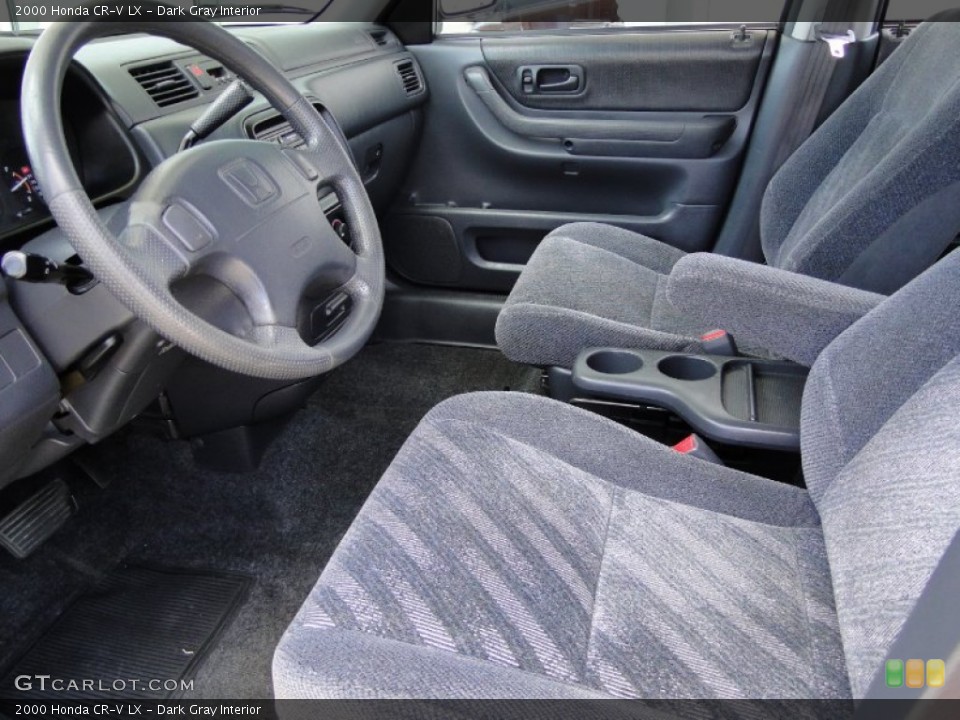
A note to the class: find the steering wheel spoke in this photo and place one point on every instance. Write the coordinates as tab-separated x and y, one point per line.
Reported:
152	255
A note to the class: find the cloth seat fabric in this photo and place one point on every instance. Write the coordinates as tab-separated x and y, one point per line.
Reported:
593	285
518	547
489	542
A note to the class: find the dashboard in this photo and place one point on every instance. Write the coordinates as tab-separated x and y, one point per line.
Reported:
128	101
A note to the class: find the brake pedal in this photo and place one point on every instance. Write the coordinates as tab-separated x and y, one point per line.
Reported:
36	519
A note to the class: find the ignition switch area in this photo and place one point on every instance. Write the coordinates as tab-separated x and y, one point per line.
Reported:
333	210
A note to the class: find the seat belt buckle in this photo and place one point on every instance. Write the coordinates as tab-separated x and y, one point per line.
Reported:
719	342
694	446
838	42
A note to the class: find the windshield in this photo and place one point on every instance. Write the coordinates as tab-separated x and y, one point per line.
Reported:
17	17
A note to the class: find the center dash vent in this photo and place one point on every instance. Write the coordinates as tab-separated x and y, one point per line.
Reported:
410	77
276	130
165	83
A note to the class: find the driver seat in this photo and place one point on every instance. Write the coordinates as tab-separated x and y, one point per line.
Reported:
522	548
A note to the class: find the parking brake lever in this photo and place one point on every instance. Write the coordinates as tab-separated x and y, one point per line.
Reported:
28	267
231	101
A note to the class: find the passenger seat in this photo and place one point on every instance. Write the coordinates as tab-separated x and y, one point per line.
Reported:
869	201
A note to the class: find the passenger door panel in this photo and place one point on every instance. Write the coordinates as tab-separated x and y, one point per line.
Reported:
651	139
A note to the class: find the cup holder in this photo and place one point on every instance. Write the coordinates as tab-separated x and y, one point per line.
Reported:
681	367
614	362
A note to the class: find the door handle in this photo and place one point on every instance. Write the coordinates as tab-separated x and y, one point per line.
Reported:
546	79
571	84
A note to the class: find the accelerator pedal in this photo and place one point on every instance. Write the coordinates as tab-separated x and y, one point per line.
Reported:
36	519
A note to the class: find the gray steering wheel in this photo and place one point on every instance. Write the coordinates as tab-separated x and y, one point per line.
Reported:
242	212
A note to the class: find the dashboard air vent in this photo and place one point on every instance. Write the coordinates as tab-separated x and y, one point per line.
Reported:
276	130
165	83
410	77
379	37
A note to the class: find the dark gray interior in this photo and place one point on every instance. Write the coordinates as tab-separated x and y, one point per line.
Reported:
552	579
124	444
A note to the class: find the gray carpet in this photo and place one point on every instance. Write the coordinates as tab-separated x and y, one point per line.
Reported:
278	525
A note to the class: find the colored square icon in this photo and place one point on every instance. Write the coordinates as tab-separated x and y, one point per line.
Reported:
894	673
914	673
936	673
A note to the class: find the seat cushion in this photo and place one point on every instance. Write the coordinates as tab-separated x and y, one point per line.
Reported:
496	558
592	285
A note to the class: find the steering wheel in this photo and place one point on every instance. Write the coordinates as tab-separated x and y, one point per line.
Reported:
242	212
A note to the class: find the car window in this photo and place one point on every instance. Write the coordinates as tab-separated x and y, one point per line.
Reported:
478	16
915	10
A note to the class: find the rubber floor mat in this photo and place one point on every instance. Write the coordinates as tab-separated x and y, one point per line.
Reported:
141	633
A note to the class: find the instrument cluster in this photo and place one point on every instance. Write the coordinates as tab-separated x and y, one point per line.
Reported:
21	200
105	160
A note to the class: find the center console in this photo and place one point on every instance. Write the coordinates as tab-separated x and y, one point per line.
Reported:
733	400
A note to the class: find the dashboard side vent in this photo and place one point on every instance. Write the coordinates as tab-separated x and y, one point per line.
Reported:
165	83
410	77
379	37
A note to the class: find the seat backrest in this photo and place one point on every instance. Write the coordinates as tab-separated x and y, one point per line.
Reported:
880	438
872	198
